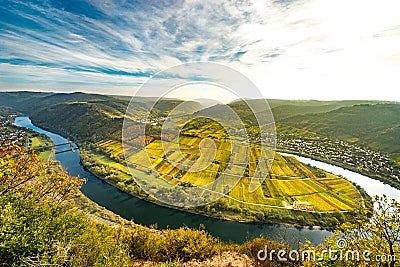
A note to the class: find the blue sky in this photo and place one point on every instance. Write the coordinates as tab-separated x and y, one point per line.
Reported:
314	49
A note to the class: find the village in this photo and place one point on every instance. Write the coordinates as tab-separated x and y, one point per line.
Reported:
9	134
6	120
341	153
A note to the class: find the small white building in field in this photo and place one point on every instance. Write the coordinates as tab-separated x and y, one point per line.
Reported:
303	206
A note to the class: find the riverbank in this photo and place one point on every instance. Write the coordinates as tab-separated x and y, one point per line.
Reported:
43	145
370	186
347	167
113	175
219	210
147	214
144	198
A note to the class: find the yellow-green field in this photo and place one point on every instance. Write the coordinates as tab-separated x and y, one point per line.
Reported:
40	141
123	171
288	180
46	155
113	147
207	163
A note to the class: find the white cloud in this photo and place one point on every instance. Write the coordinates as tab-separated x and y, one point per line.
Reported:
299	49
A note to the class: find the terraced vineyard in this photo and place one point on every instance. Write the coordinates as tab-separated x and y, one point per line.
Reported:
288	183
202	154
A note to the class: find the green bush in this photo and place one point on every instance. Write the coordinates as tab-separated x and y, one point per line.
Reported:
180	245
38	226
50	233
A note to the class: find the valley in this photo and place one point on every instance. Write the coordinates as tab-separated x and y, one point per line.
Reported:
292	192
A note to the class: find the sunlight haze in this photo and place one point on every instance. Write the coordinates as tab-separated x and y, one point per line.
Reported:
312	49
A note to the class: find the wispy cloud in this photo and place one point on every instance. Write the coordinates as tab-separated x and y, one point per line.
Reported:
290	49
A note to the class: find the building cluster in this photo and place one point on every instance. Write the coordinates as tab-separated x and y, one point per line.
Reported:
342	153
157	121
4	121
10	134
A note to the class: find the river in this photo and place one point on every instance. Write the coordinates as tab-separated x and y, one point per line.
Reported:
146	213
371	186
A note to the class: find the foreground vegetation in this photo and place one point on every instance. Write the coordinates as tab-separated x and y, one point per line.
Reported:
28	138
40	226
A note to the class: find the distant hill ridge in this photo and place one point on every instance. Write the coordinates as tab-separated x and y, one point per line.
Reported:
83	116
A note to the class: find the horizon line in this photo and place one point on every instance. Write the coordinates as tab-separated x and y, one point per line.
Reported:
152	96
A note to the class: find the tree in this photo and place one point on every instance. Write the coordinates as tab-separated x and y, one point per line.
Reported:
39	226
372	239
29	177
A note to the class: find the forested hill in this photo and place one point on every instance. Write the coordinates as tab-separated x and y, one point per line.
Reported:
376	126
283	109
77	115
93	117
82	117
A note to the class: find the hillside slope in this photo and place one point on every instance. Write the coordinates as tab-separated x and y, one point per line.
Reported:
376	126
371	123
83	122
